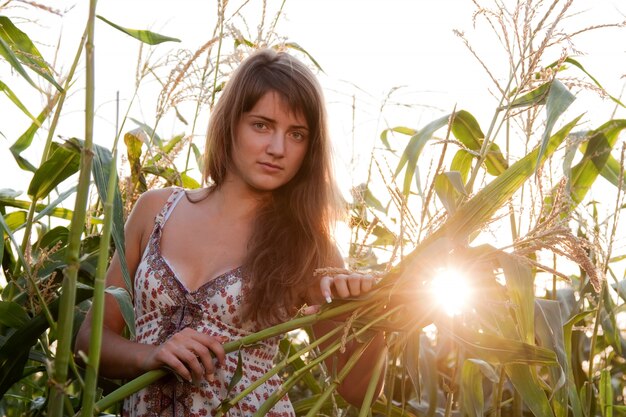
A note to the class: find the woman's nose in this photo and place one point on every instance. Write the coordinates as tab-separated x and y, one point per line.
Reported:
276	145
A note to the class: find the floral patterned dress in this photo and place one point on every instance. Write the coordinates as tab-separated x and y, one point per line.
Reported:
163	306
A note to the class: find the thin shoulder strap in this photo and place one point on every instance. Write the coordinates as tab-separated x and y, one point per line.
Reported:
169	205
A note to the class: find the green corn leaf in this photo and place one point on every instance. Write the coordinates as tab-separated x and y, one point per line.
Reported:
520	289
558	100
147	134
597	151
575	400
612	172
462	163
12	315
63	162
24	50
398	129
172	176
53	236
26	139
134	142
467	130
9	93
428	372
606	393
495	349
526	382
15	219
549	332
145	36
101	171
577	64
472	390
449	186
413	150
297	47
411	360
124	301
537	96
7	53
61	213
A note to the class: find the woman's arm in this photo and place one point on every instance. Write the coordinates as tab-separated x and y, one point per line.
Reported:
186	352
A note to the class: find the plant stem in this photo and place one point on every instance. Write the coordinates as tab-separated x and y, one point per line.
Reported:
97	307
68	295
371	388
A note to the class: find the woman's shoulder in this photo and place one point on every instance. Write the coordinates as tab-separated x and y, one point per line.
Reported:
155	199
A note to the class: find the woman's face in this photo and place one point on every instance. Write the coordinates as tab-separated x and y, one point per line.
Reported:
270	144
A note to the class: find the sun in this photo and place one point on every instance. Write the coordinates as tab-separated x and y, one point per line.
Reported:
451	290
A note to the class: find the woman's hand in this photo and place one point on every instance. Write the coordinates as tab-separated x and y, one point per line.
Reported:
345	284
189	353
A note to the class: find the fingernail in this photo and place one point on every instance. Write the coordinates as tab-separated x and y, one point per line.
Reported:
211	377
328	299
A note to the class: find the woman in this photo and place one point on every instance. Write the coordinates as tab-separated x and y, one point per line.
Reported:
217	264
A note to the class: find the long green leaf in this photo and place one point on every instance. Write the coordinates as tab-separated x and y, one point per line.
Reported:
9	93
25	50
26	139
596	154
7	53
612	172
520	289
61	213
495	349
414	149
596	82
145	36
558	100
472	390
12	315
62	163
549	332
398	129
101	172
606	393
122	296
527	384
467	130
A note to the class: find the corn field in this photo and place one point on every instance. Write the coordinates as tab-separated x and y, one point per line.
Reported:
525	205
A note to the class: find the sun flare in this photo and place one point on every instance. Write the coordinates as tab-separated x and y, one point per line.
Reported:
451	290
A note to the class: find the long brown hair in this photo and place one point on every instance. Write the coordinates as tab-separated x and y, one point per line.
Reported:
291	233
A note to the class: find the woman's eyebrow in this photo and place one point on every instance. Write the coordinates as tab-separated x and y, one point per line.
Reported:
272	121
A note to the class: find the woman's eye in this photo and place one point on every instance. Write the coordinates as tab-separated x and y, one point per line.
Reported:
298	136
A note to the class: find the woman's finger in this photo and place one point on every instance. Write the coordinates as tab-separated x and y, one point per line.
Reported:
354	284
172	362
325	284
189	357
341	286
367	282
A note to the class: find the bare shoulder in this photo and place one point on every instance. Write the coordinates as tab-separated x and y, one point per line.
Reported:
152	201
141	219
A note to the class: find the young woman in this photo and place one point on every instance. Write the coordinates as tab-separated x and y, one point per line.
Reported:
217	264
